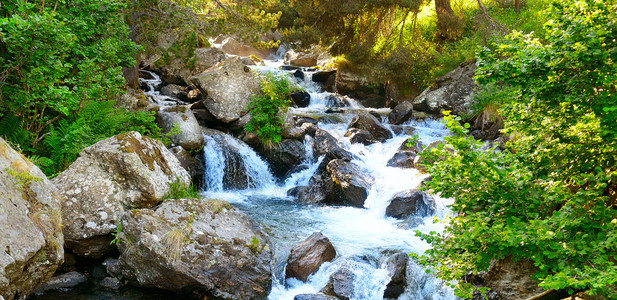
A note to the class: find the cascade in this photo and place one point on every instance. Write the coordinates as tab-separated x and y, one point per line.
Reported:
361	236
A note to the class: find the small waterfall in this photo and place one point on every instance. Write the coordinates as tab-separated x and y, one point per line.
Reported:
153	83
230	164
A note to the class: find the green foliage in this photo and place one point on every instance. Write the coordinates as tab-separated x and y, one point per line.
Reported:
57	58
551	197
117	233
415	139
23	179
95	122
180	190
266	107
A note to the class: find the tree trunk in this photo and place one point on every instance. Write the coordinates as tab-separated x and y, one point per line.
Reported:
448	24
517	6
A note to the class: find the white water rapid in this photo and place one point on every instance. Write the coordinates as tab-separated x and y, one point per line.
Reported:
362	236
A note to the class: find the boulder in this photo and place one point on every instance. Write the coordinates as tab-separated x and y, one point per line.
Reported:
120	173
63	281
192	163
179	70
403	129
110	283
404	156
31	236
201	247
370	123
181	117
227	89
301	98
300	59
314	297
350	183
359	136
284	156
341	284
512	279
449	92
410	203
358	86
306	257
326	79
248	61
299	75
175	91
325	144
232	46
401	113
397	268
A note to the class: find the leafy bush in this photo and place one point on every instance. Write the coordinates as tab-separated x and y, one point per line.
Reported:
180	190
55	58
551	197
266	107
95	122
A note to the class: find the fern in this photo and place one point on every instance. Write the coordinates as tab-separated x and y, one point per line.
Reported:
12	132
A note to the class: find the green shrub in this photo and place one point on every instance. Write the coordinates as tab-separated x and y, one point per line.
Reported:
550	198
180	190
267	106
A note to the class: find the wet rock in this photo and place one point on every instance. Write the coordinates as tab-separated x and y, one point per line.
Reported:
341	284
285	156
194	166
350	183
327	79
403	129
401	113
182	118
358	86
314	297
110	283
227	88
336	101
306	257
31	236
179	70
325	144
404	156
248	61
66	280
113	267
370	123
232	46
421	161
449	92
359	136
122	172
410	203
397	268
299	75
176	91
301	98
201	247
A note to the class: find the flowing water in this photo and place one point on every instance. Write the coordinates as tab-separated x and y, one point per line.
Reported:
362	236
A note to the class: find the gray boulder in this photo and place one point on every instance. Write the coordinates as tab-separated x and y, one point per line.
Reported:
401	113
449	92
120	173
196	246
370	123
227	88
513	279
359	136
325	144
31	236
232	46
341	284
66	280
179	70
176	91
397	268
284	156
182	117
405	156
350	183
410	203
306	257
301	98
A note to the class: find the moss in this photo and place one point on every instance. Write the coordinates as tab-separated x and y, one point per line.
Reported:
216	206
148	156
177	109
